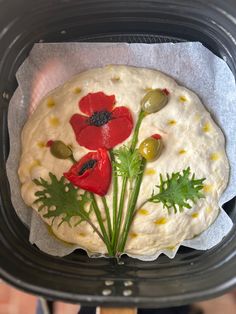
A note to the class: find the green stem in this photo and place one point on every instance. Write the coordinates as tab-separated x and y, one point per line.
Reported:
72	159
116	232
136	130
120	212
102	227
131	209
115	194
104	201
93	226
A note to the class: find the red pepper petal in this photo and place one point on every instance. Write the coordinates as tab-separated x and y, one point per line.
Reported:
94	102
78	123
122	111
156	136
106	136
97	179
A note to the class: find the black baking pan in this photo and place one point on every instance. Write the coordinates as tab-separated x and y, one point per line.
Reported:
192	275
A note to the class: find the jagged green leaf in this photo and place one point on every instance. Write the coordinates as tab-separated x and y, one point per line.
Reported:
61	199
128	162
178	190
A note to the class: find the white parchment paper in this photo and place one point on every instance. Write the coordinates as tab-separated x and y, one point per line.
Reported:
190	64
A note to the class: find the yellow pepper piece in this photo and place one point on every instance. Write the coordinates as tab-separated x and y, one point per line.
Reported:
54	121
50	103
214	156
171	122
206	127
150	171
161	221
182	151
208	209
41	144
143	212
207	188
77	90
115	79
182	98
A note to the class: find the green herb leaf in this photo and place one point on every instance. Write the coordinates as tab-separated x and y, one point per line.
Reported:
128	162
177	190
61	198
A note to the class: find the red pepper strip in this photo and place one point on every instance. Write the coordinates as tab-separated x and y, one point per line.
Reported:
49	143
96	179
165	91
156	136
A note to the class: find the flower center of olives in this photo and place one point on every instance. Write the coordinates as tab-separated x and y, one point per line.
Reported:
87	165
100	118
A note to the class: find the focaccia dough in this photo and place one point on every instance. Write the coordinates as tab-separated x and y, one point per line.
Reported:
190	137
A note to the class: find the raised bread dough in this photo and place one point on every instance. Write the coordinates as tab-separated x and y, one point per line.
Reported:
190	137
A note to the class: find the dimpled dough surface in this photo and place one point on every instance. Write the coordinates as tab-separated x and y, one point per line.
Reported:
190	137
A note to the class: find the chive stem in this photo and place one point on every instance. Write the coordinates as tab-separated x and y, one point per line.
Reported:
131	208
107	211
102	227
136	130
115	195
120	213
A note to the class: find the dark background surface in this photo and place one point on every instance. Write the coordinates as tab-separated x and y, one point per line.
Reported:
192	275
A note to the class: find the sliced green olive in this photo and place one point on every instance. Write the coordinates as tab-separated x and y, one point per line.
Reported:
60	150
154	101
151	148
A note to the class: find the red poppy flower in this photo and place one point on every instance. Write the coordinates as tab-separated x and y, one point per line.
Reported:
92	173
104	126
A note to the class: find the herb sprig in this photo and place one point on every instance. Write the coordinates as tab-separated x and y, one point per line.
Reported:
177	190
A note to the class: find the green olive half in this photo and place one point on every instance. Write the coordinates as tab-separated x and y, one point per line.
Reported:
154	101
151	148
60	150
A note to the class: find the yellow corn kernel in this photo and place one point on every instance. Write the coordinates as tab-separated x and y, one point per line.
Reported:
182	151
195	215
77	90
206	127
50	103
171	122
182	98
214	156
133	235
41	144
82	234
143	212
54	121
150	171
207	188
161	221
